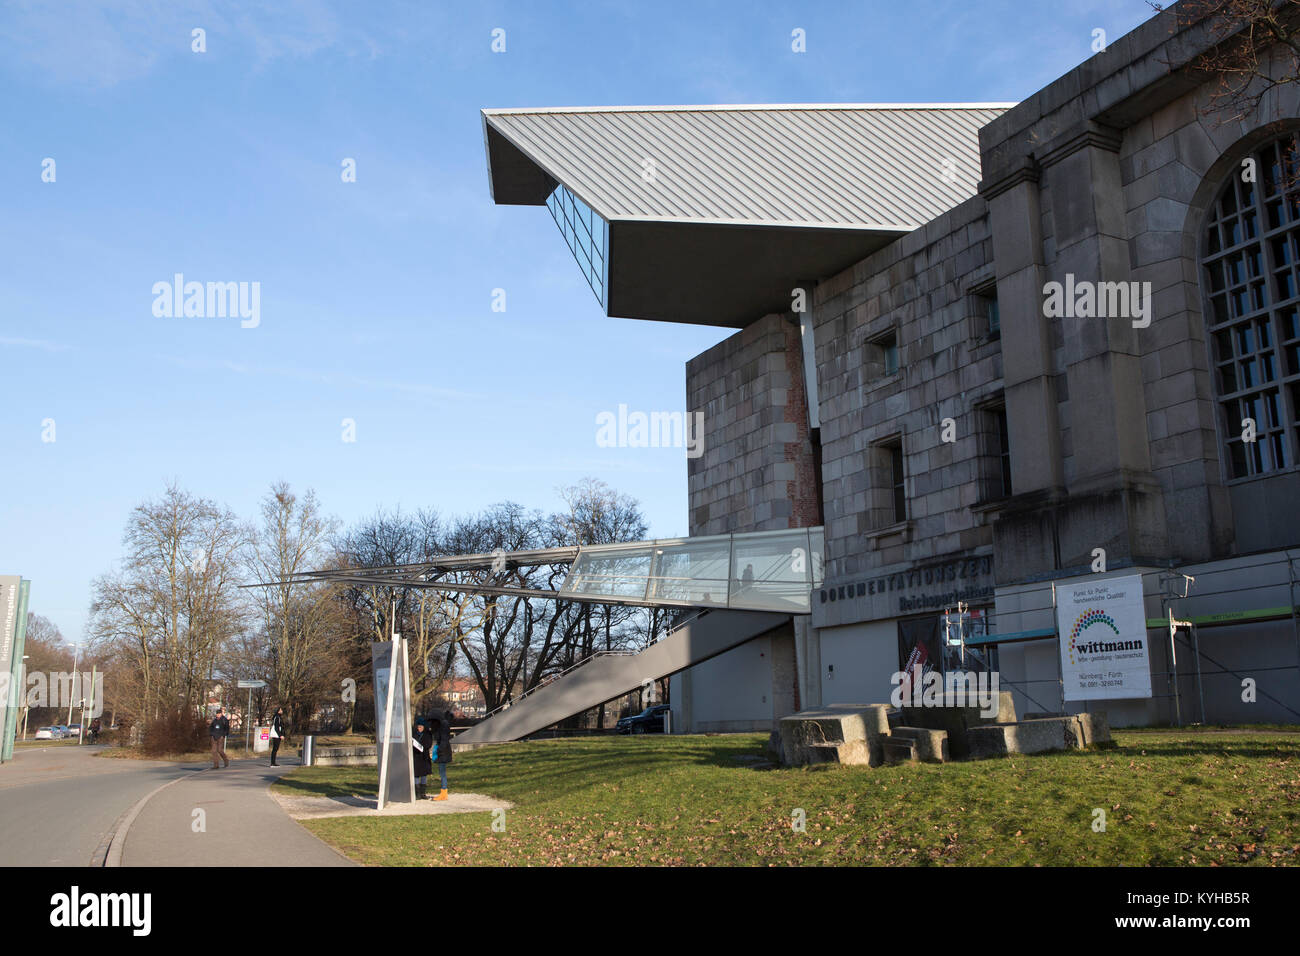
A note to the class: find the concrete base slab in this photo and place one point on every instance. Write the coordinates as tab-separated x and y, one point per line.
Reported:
315	808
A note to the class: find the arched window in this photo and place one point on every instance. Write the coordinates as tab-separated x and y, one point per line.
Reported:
1250	253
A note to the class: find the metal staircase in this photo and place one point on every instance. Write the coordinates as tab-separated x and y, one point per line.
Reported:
603	677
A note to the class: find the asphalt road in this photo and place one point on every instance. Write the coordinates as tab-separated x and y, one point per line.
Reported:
59	804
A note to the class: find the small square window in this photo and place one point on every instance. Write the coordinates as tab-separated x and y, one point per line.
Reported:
982	305
899	487
887	483
891	356
882	355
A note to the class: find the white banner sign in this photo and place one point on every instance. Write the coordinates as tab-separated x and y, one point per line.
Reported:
1103	635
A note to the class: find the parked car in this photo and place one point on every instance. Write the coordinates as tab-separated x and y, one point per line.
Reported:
46	733
61	730
649	721
74	730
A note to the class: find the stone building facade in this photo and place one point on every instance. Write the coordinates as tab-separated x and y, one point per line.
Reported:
970	445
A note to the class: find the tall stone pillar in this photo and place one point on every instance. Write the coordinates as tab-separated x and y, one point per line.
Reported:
1015	222
1025	533
1118	501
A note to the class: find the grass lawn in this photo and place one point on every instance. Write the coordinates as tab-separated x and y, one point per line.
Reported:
1171	798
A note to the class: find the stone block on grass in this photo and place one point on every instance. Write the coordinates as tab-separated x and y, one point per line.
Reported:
929	745
1094	729
810	735
1040	736
958	720
989	740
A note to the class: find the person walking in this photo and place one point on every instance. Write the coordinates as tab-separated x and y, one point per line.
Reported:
277	733
422	746
219	730
440	726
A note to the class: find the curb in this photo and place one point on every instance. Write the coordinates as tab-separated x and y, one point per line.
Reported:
113	845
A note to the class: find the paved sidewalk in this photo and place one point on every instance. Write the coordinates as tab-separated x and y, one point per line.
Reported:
241	824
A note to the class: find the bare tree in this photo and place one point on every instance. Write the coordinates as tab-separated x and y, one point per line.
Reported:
1254	49
301	623
169	610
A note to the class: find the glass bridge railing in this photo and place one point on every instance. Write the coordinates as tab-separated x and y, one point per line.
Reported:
758	571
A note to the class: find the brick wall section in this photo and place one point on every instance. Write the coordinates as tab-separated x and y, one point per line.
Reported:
920	286
802	488
756	473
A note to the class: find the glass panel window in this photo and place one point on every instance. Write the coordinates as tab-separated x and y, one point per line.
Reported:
899	486
1250	266
586	235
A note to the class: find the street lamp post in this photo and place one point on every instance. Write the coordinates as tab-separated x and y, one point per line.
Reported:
22	689
248	728
76	656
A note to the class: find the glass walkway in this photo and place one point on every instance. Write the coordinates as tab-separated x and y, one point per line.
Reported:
743	585
757	571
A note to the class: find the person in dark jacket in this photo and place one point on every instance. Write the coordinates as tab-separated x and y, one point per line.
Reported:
422	751
219	730
440	726
277	733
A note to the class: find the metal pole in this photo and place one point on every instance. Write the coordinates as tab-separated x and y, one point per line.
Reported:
1173	670
81	727
76	656
22	689
1060	674
248	729
1196	648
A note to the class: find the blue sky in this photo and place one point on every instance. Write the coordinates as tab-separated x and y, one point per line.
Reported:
375	295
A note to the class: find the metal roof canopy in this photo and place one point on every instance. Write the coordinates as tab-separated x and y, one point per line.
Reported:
746	201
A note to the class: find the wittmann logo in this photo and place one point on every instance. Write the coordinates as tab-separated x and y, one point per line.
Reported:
77	909
1084	648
